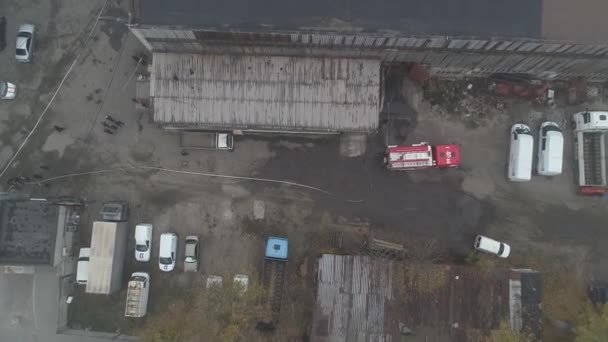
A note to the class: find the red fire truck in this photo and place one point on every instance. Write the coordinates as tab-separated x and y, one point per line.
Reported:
421	156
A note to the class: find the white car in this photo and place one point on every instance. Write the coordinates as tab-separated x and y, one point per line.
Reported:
491	246
82	267
167	252
25	43
143	241
8	91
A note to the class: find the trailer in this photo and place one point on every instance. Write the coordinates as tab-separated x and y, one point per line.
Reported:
421	156
138	290
590	129
201	140
273	281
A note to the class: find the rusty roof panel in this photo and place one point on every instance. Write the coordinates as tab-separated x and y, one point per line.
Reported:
360	298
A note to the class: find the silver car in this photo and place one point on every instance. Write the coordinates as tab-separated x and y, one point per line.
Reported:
191	254
8	91
25	43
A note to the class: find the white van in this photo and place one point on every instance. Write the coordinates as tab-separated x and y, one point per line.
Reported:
520	155
167	251
550	149
82	267
487	245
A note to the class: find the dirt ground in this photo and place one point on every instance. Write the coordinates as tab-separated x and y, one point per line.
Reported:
355	198
542	219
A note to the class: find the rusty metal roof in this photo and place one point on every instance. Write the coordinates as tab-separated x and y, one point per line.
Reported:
360	298
266	93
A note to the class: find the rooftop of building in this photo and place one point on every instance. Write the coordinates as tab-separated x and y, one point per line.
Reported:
27	231
487	18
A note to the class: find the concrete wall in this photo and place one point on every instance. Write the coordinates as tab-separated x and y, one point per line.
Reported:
444	55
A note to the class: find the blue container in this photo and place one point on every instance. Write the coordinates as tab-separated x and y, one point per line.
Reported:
276	247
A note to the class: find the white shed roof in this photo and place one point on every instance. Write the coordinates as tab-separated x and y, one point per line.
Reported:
103	240
266	93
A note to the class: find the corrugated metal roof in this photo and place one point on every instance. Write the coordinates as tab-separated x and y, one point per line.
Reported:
271	93
102	253
360	298
352	292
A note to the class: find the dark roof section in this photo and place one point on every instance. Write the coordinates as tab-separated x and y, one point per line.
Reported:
27	231
480	18
531	298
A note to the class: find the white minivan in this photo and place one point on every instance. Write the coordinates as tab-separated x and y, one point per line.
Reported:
143	241
520	153
550	149
167	251
491	246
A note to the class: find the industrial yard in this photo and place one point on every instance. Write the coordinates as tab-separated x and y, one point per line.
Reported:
335	176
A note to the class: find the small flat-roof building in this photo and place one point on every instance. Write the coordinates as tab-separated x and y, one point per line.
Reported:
35	231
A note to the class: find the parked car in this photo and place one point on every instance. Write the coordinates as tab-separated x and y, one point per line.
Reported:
191	254
167	252
8	91
491	246
143	241
550	149
25	43
241	281
520	153
82	267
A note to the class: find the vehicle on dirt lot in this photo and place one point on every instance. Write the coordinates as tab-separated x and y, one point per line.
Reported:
421	156
273	282
25	43
8	91
82	267
191	254
550	149
167	252
520	153
143	242
202	140
590	128
138	291
491	246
